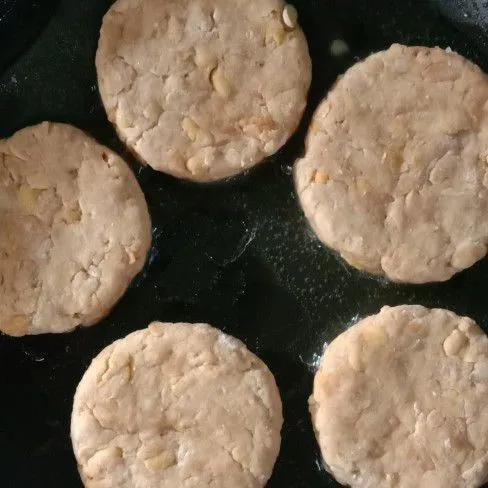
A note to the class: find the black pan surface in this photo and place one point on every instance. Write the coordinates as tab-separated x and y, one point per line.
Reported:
238	254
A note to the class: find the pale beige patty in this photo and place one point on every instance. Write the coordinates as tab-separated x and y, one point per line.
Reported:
400	401
74	230
395	172
202	89
176	406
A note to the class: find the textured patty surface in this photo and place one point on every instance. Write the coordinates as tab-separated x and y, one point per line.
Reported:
75	230
202	89
395	172
399	401
176	405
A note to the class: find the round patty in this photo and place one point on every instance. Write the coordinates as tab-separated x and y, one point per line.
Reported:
395	172
75	230
176	405
399	401
203	89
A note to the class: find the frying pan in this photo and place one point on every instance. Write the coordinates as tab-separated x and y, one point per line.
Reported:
237	254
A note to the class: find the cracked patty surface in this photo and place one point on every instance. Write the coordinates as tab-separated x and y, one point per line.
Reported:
202	89
75	230
395	172
176	405
399	401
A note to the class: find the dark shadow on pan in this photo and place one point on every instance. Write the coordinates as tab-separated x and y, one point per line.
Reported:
300	461
21	21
